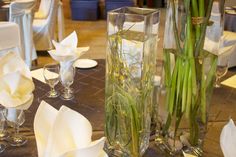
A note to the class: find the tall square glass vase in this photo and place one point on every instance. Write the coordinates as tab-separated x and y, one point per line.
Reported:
191	43
130	68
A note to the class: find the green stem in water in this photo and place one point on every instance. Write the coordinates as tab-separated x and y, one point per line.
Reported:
200	42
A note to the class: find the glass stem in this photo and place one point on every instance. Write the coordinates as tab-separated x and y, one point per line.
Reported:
16	129
52	90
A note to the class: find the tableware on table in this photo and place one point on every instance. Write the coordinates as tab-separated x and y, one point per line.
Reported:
67	79
221	71
230	82
227	139
15	118
85	63
3	133
51	76
51	138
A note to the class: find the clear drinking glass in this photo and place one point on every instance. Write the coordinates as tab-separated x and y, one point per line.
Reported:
15	118
3	132
221	71
67	79
51	76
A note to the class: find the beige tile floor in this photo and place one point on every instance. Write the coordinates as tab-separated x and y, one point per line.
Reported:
93	34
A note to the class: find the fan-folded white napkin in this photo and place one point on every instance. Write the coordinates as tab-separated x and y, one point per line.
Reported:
64	133
16	90
12	62
228	139
67	49
66	53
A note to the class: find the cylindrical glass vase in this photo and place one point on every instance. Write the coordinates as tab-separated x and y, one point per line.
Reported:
191	45
130	68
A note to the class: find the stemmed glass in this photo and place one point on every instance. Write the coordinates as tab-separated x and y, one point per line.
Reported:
221	71
3	133
51	76
67	79
15	118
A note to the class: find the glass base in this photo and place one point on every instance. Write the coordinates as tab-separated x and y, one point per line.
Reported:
116	153
217	85
176	150
52	94
67	96
17	140
2	147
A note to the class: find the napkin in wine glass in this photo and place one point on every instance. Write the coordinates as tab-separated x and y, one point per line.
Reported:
16	90
64	133
66	50
228	139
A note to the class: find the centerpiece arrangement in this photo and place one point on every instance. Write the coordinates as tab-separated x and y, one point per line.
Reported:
130	69
189	74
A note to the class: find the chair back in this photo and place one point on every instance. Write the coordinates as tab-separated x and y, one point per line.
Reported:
44	28
21	12
10	38
44	8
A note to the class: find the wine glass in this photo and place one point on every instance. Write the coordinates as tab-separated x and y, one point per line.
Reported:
51	76
67	79
221	70
3	133
15	118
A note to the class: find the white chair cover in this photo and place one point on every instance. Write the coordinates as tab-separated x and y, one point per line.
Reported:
220	42
44	28
10	38
44	9
60	21
229	41
21	12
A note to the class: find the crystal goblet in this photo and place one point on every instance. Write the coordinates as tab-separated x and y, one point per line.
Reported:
3	133
15	118
221	71
67	79
51	76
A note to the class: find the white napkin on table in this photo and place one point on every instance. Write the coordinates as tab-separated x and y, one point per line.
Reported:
67	49
228	139
230	82
16	90
12	62
64	133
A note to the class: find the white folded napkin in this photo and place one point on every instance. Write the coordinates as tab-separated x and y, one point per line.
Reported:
38	74
12	62
16	90
228	139
67	49
64	133
231	82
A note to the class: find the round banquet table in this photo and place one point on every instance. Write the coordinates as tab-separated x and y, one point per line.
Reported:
89	89
230	20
